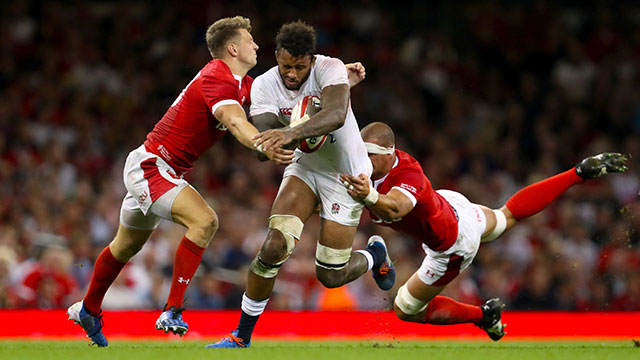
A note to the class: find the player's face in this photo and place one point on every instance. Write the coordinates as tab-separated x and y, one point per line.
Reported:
247	48
382	164
294	71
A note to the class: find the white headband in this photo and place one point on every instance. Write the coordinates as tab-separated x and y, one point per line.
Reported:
377	149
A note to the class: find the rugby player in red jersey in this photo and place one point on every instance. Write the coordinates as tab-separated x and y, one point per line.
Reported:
208	107
450	227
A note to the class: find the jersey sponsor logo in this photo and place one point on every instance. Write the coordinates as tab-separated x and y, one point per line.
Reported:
409	188
243	99
183	280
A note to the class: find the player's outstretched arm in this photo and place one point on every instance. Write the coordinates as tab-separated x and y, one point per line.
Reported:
264	122
356	73
235	119
388	207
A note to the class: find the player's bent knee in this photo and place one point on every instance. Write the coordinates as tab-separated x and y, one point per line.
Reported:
285	230
406	305
330	264
330	278
274	248
205	228
290	226
210	222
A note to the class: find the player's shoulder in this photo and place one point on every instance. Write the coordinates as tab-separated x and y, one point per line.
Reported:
407	162
323	60
269	76
328	65
217	70
268	85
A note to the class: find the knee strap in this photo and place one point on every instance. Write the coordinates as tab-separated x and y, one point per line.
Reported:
408	303
332	259
291	228
501	226
263	269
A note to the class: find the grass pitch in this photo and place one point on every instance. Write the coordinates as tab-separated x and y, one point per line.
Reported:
329	350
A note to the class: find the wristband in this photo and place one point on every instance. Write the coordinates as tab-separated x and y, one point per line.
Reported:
372	197
259	148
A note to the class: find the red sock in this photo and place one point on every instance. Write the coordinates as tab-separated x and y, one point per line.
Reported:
188	257
445	311
105	272
536	197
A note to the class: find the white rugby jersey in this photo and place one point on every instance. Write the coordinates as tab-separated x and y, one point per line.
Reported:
343	150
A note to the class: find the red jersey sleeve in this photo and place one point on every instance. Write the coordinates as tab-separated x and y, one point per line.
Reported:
218	92
410	182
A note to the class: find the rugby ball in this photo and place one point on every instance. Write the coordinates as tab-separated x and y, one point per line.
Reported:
301	113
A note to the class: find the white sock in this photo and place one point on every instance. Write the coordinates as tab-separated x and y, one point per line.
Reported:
253	307
369	258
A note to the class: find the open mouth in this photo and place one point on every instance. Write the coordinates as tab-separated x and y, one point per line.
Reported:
290	83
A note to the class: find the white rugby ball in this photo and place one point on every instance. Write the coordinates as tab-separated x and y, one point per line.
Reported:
301	113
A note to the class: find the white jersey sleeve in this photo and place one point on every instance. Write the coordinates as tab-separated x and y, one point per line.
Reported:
264	95
330	71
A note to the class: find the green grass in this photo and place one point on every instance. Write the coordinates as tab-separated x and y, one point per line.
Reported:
334	350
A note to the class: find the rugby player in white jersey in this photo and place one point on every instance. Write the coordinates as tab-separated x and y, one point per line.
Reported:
313	179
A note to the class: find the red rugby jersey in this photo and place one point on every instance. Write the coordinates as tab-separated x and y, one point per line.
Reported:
189	128
432	220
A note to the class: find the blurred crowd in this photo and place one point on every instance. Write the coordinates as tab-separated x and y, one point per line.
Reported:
488	96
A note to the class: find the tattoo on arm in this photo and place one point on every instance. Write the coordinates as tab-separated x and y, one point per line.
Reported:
335	103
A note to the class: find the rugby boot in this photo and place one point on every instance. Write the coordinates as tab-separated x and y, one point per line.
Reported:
171	320
492	319
385	274
232	341
602	164
92	325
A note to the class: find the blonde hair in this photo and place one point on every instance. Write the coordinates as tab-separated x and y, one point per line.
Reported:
223	30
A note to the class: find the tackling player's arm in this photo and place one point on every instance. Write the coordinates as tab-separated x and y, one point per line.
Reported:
388	207
264	122
235	119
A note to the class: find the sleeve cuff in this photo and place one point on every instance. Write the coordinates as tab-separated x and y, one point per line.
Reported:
222	103
406	193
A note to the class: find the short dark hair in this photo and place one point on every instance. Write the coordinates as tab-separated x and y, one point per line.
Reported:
379	133
298	38
223	30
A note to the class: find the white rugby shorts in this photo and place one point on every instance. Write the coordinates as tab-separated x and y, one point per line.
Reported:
337	205
152	186
440	267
